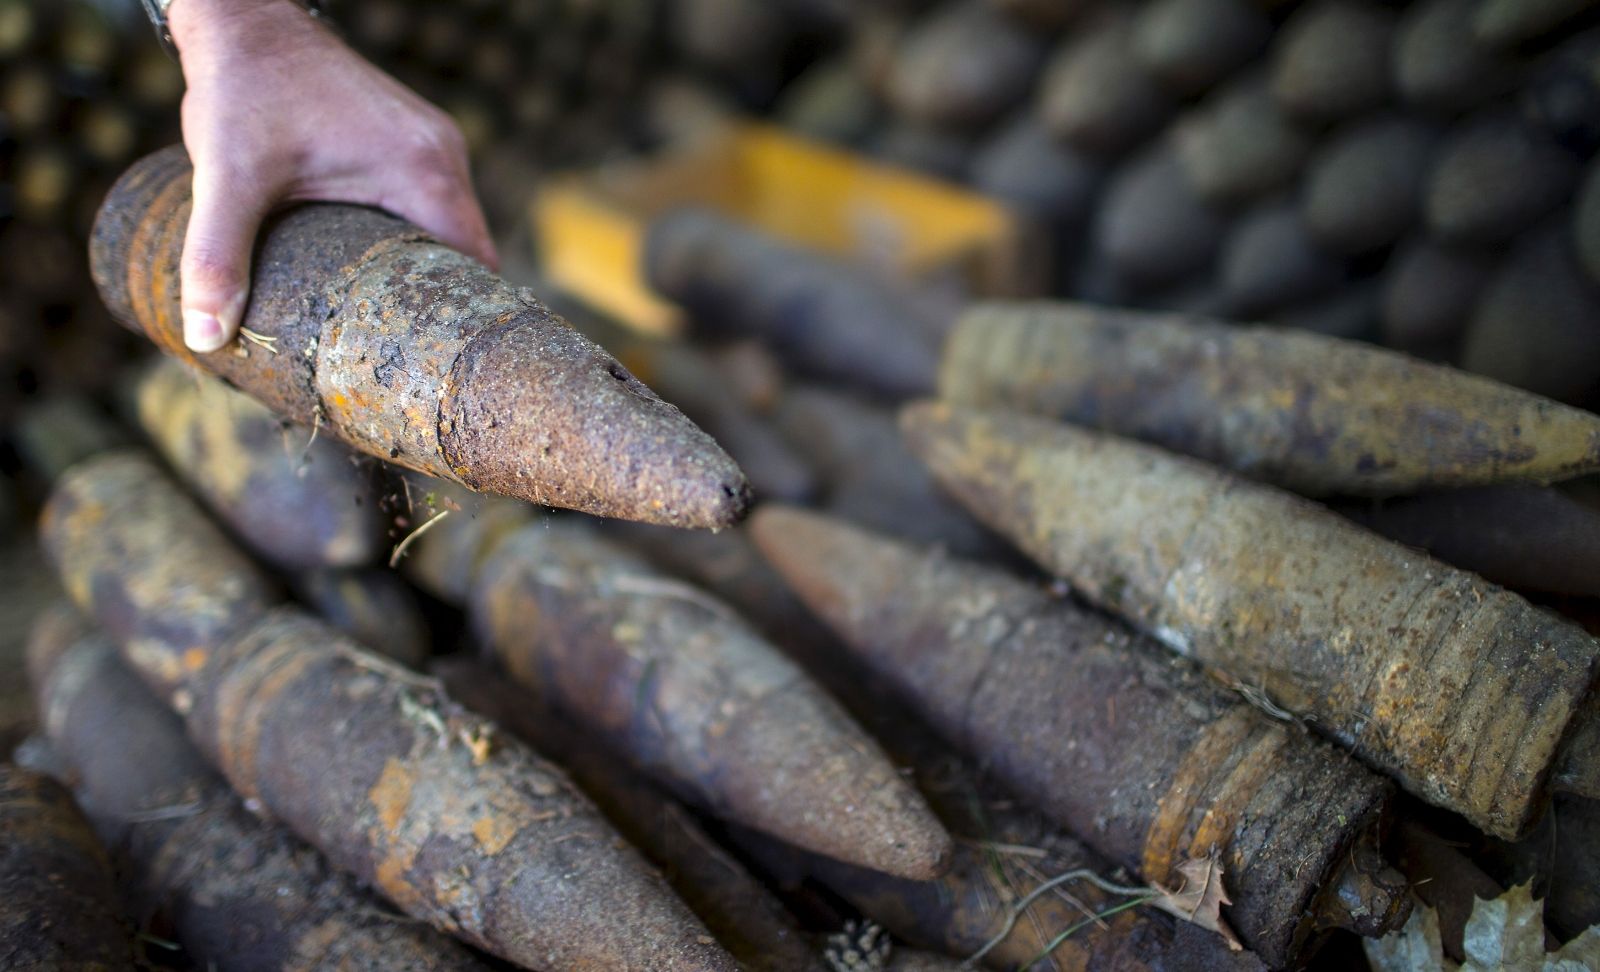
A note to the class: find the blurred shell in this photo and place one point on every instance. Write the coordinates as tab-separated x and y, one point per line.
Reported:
1094	97
1237	144
1493	178
1534	326
1365	189
1331	60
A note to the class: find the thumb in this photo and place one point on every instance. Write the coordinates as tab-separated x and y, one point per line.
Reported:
215	272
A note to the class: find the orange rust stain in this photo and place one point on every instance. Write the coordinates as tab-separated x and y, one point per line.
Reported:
195	659
1216	828
1190	784
494	833
149	286
391	795
390	877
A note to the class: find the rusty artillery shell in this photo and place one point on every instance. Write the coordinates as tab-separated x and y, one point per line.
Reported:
414	353
1365	188
240	894
395	784
151	568
1462	691
1238	145
964	65
1270	260
57	905
738	909
373	606
870	475
297	503
451	821
1191	45
1032	687
822	315
1310	413
1331	60
1429	291
1093	97
1440	66
1492	178
693	380
1152	228
696	698
1507	23
1532	538
1534	323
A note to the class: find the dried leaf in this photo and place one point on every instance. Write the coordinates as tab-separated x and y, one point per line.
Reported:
1415	948
1582	954
1506	933
1200	898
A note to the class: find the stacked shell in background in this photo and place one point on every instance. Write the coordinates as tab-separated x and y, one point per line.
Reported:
84	90
1415	174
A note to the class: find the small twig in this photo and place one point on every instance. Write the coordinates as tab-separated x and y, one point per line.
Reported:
1055	943
1080	874
1017	849
150	938
372	662
259	340
1061	893
400	548
316	426
156	814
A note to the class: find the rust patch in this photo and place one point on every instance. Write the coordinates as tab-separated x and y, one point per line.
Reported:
494	833
391	795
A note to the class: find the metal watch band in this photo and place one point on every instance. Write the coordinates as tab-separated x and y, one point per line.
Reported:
156	10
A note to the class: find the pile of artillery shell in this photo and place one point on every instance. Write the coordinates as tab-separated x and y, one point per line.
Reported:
1507	682
1455	129
396	784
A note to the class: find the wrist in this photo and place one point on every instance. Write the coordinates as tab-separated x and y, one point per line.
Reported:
196	23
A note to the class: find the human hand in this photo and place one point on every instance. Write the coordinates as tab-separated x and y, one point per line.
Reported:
280	110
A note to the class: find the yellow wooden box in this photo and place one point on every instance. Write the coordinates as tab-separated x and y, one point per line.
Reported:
590	227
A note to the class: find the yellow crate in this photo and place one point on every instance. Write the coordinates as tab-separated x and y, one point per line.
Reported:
591	226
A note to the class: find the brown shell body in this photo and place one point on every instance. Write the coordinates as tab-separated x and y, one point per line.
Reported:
1091	723
1460	690
237	892
1314	414
449	819
58	910
748	921
696	698
412	352
297	503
